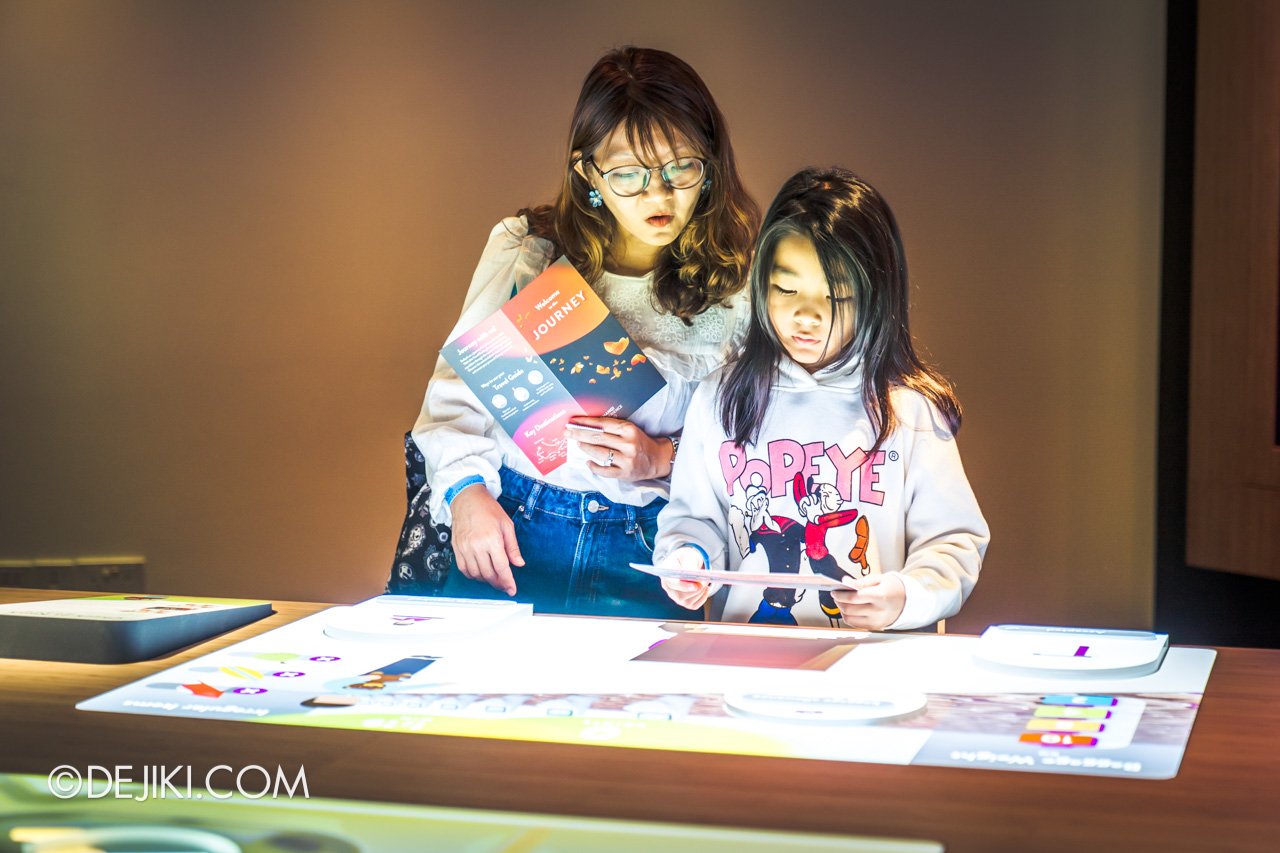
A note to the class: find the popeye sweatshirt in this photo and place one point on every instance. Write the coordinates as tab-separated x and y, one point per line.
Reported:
806	497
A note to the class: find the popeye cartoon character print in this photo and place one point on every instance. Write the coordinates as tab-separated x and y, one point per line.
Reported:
802	506
780	540
819	503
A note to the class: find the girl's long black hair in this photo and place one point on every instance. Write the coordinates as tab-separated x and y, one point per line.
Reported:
857	240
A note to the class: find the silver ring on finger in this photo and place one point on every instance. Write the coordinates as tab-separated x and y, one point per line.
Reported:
609	460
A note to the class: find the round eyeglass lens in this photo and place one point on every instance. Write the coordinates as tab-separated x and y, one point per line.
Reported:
628	180
683	173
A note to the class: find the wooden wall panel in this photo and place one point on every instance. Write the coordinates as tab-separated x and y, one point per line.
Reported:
1233	484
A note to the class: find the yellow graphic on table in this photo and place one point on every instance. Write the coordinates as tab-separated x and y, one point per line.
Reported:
639	734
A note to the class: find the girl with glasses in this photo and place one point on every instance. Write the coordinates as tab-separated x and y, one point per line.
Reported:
652	213
827	447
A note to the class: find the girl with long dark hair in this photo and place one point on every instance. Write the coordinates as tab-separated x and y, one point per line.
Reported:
827	444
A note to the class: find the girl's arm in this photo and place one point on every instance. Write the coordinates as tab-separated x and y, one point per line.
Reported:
945	533
454	431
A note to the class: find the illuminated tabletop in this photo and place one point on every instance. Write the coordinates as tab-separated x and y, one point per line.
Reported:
1221	798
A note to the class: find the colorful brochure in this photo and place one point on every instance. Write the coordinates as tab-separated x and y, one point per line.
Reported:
553	352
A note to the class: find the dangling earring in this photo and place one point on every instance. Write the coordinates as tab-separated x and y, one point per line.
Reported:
595	198
706	185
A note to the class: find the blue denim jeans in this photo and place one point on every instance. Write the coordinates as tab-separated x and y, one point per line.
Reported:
577	547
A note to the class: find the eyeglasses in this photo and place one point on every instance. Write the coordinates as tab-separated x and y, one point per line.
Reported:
681	173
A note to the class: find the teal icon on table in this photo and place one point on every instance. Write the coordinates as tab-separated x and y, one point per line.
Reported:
1075	699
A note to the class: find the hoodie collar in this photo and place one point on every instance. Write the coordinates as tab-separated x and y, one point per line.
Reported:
792	376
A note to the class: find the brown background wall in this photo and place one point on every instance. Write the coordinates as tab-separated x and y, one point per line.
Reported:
232	237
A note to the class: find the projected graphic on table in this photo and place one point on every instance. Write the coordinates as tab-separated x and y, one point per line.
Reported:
800	693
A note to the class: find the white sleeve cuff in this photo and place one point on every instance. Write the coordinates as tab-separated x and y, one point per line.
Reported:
714	555
920	607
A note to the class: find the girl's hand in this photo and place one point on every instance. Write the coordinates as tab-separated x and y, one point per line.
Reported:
484	539
621	450
690	595
875	602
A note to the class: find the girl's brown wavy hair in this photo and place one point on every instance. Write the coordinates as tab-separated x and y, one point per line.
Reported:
653	94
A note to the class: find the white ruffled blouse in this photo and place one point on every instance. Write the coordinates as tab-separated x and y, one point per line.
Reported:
459	438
